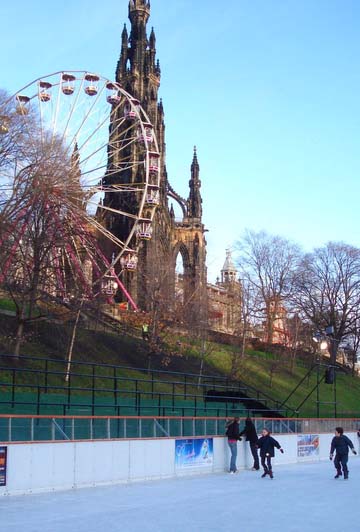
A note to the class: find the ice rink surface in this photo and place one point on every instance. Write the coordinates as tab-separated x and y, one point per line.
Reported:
301	498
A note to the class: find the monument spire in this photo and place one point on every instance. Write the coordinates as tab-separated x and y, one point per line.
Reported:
194	202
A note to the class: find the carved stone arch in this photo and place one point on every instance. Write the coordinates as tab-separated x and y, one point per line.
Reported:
183	285
188	239
181	248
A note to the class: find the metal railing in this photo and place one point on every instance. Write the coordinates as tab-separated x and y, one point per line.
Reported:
18	428
105	386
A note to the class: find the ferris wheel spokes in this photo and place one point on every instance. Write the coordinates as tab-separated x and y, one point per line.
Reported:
87	156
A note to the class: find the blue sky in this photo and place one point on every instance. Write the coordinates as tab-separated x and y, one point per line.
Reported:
268	91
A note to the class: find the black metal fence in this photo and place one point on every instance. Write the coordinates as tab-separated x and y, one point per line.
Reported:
42	386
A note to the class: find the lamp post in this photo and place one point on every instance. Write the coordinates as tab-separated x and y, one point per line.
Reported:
334	343
327	340
322	339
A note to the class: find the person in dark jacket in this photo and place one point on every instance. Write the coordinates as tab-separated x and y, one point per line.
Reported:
341	445
267	445
233	434
251	436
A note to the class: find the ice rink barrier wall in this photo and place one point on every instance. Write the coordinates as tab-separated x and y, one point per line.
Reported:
50	466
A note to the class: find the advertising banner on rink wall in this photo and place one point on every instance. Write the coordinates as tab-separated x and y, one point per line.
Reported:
308	446
3	455
194	452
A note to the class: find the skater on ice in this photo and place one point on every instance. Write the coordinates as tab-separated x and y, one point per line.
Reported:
341	445
251	436
233	434
267	445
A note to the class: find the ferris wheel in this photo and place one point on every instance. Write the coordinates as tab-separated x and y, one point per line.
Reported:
80	151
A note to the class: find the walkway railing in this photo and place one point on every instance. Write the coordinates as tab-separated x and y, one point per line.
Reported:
98	387
22	428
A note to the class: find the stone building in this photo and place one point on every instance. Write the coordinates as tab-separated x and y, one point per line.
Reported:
152	285
224	300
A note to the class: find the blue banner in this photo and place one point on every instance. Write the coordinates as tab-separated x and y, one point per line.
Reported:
194	452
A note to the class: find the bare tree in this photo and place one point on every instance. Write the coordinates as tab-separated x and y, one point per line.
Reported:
248	311
268	263
42	224
14	133
168	320
327	291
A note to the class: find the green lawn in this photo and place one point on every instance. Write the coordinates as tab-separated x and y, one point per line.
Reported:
269	373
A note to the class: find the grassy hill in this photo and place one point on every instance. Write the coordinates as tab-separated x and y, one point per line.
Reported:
276	375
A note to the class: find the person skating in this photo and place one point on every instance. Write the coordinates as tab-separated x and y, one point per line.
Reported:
341	445
251	436
267	445
233	434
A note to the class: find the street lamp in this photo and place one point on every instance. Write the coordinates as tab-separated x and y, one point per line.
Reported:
327	340
321	340
329	377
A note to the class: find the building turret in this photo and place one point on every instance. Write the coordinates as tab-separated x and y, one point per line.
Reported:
172	212
152	40
138	70
228	272
139	11
122	63
194	201
124	40
75	191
